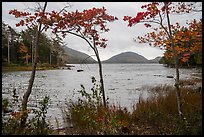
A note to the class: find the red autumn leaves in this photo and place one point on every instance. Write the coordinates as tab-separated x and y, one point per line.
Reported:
88	23
186	41
151	12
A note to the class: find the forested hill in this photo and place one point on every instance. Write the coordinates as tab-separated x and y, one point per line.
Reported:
75	57
130	57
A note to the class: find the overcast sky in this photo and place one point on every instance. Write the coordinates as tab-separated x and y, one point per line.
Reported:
120	37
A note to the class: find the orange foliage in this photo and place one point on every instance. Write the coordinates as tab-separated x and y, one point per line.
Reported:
84	23
24	50
187	41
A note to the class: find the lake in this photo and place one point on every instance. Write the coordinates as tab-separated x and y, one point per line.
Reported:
124	83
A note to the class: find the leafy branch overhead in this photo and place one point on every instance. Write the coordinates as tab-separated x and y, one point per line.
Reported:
187	40
88	23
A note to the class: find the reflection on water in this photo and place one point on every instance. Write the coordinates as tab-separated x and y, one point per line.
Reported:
123	83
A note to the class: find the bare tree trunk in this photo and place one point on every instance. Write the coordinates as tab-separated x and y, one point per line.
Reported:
178	94
99	63
32	48
102	86
50	56
9	43
101	77
27	58
31	81
8	52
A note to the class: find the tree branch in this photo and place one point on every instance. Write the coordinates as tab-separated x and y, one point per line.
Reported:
83	61
151	21
80	37
64	9
197	10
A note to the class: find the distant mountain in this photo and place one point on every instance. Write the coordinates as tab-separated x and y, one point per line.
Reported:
71	56
156	60
129	57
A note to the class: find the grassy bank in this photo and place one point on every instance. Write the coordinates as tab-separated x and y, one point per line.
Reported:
17	67
157	115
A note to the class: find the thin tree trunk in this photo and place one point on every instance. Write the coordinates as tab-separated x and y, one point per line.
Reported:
31	45
102	86
9	43
8	52
101	77
99	63
178	94
50	57
31	81
27	58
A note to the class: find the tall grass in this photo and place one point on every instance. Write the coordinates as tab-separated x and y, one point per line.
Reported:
159	112
156	115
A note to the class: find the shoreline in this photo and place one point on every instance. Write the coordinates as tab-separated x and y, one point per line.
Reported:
26	68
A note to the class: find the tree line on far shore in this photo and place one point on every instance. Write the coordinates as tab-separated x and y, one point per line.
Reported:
17	47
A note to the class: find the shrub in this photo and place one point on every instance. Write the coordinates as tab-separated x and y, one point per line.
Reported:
88	114
35	126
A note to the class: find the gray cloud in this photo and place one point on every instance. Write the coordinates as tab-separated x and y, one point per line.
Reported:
120	37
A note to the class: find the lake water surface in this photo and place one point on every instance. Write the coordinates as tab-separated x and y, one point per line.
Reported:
124	83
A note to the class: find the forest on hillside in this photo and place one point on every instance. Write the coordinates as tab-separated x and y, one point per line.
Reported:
17	47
